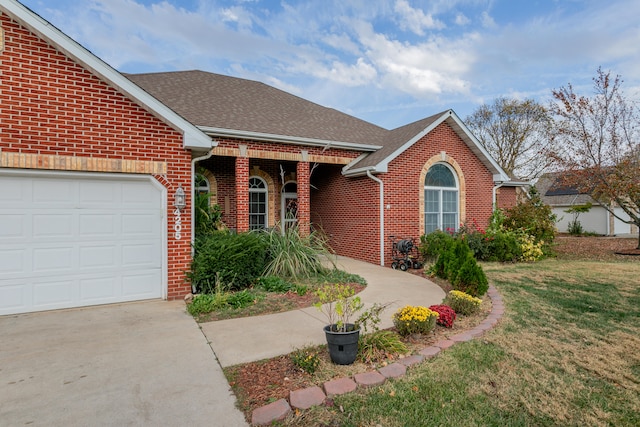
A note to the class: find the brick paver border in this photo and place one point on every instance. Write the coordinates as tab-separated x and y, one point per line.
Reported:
367	379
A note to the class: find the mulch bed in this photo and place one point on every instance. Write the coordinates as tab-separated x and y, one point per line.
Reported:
259	383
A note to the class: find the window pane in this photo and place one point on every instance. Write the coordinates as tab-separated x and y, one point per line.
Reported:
449	201
450	221
439	176
431	223
431	201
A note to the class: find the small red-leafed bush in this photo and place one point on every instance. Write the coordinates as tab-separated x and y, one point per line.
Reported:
447	315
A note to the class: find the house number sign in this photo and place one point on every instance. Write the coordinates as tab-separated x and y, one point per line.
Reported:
177	224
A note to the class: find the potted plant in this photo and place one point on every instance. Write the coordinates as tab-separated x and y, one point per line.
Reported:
339	304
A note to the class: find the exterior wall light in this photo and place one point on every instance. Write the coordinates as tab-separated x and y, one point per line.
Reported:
180	201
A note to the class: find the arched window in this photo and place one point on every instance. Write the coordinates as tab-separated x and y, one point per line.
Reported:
440	199
258	212
201	184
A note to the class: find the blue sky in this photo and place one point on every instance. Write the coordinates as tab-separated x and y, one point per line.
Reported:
388	62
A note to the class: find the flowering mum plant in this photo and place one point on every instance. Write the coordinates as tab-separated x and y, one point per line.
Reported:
414	320
462	303
446	315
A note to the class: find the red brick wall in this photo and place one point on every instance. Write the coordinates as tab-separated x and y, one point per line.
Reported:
506	197
50	105
348	209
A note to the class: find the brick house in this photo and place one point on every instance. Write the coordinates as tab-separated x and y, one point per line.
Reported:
91	161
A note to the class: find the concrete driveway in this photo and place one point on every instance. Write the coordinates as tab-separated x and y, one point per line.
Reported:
135	364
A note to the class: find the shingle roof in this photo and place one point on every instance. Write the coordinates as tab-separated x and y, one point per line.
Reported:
554	192
226	105
218	101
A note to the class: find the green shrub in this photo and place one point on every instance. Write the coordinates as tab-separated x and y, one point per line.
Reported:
378	345
293	255
433	244
306	358
240	299
414	320
502	246
575	228
533	217
470	278
206	303
238	260
274	284
462	303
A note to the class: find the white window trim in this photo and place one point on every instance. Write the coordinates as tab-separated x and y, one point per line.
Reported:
264	191
440	191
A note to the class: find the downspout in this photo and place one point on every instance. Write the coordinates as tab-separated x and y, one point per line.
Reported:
379	181
193	192
494	195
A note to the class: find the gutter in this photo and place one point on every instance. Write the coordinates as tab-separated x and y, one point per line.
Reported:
379	181
261	136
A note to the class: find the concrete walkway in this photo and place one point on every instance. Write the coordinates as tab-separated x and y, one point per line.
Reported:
136	364
250	339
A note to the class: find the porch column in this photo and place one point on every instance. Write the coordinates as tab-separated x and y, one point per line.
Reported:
242	193
304	196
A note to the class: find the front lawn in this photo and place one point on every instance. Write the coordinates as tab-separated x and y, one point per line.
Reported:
566	353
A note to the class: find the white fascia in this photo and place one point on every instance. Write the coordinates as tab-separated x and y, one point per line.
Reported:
193	138
501	176
260	136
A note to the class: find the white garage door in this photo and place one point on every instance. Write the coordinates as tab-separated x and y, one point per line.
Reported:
70	240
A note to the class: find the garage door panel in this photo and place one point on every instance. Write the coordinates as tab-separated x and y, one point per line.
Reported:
13	297
139	225
99	194
47	260
12	226
99	289
52	225
54	293
12	262
140	255
61	192
15	191
136	194
140	284
68	240
92	225
96	257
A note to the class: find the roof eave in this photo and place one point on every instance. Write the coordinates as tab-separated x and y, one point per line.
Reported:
499	175
193	138
285	139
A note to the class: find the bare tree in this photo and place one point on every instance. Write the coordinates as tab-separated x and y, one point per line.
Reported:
601	135
516	134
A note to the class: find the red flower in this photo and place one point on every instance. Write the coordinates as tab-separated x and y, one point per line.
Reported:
447	315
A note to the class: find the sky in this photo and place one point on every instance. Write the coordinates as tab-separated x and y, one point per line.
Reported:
387	62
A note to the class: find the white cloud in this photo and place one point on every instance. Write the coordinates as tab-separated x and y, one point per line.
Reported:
415	20
487	21
462	20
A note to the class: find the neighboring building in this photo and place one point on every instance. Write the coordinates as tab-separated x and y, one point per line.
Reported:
597	220
91	162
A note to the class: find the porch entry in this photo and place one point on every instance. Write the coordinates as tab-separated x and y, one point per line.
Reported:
289	205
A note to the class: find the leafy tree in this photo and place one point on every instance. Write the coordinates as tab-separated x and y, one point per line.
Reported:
601	135
516	134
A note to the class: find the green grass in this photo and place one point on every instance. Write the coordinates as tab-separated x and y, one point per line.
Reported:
566	353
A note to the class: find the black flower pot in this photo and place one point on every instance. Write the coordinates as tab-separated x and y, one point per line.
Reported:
343	346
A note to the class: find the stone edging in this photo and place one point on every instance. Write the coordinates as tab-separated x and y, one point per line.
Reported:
313	396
